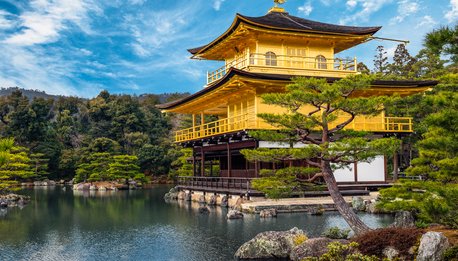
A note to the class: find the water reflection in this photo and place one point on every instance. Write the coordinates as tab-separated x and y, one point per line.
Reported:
91	225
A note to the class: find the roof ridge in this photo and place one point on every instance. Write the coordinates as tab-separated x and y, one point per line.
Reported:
289	18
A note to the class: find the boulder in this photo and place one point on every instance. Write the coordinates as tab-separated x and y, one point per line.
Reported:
316	210
371	207
92	187
314	247
202	199
3	204
270	245
234	214
212	201
225	201
358	204
51	183
268	213
403	219
188	196
181	195
171	195
390	252
238	204
204	210
432	246
102	188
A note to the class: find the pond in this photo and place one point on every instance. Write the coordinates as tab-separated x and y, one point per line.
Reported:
62	224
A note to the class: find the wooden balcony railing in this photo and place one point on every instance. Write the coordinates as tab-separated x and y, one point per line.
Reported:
286	63
231	124
193	182
249	121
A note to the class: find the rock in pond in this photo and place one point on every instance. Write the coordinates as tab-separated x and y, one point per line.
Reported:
316	210
202	199
224	201
403	219
432	246
358	204
268	213
234	214
270	245
212	201
171	195
314	247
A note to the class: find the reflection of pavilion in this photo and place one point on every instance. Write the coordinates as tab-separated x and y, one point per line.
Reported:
261	55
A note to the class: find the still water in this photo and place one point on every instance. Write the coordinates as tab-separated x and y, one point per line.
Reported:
136	225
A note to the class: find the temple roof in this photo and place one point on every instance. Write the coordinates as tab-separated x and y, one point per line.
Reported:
284	22
379	84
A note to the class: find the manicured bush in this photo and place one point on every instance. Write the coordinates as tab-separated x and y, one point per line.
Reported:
336	233
402	239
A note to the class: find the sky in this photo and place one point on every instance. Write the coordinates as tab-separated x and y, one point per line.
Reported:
81	47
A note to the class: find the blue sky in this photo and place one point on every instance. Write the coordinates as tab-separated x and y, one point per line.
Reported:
80	47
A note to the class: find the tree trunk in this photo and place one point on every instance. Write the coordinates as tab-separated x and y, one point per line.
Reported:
344	209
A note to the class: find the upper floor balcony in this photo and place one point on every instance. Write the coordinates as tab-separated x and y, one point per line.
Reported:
272	63
250	121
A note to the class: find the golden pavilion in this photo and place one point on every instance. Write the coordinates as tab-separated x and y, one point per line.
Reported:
261	55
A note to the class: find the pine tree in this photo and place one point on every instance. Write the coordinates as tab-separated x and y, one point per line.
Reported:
326	141
14	164
39	165
123	167
402	62
435	198
380	60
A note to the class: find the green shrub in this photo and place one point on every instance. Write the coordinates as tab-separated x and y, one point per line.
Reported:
94	177
336	233
340	252
451	254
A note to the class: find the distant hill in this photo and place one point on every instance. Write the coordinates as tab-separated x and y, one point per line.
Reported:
161	98
28	93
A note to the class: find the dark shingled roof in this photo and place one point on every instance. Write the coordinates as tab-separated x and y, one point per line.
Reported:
285	22
280	77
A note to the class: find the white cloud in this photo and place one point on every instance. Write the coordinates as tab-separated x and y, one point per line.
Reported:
217	4
137	2
452	14
368	8
405	9
5	22
46	19
426	21
154	30
351	4
305	9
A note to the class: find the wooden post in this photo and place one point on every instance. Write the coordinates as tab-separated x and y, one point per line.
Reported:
356	171
229	160
193	163
395	166
202	162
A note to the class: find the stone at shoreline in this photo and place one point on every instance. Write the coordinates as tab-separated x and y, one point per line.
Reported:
371	207
432	246
202	199
188	196
171	195
270	245
313	247
181	195
317	210
212	201
204	210
224	201
234	214
403	219
268	213
358	204
238	204
13	200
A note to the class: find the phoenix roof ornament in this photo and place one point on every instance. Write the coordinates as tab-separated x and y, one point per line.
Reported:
279	2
